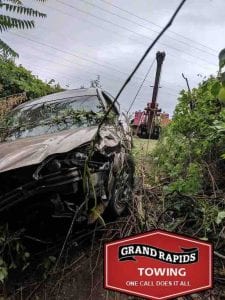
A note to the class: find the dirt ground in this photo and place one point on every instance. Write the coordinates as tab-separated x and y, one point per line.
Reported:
80	278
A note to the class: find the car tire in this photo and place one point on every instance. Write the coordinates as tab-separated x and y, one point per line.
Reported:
122	190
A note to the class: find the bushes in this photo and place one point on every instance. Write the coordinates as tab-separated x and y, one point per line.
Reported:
191	149
190	159
16	79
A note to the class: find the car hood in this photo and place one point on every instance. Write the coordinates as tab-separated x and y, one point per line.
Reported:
30	151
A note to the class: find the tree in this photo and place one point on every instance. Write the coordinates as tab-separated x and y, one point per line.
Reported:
16	79
8	22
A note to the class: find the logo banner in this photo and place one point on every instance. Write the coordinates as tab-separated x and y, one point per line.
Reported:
158	265
129	252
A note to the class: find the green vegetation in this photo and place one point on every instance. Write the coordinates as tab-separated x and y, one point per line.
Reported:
191	148
190	159
7	22
143	147
16	79
13	254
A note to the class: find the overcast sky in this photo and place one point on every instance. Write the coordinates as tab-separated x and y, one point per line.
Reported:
81	39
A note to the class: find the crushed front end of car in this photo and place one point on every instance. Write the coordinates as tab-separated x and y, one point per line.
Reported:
49	179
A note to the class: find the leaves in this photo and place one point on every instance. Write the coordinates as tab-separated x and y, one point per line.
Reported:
8	22
220	217
7	50
19	9
215	89
192	138
221	95
191	156
16	79
3	274
13	253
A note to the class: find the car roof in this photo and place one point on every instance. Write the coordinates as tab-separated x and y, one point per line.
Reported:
60	96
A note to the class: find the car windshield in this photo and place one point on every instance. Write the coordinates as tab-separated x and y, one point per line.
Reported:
53	116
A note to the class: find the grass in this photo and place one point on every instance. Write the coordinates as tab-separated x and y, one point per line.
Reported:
143	147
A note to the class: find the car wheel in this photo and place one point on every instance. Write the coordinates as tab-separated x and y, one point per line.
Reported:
122	190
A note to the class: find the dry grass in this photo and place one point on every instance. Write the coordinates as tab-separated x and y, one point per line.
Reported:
9	102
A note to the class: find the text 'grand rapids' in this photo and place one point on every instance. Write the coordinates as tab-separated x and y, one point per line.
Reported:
186	256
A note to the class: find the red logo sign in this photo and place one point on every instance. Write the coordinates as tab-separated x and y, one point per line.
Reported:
158	265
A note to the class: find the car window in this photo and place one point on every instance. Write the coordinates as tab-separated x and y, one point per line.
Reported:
109	100
52	116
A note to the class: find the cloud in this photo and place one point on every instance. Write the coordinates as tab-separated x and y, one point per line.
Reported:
74	47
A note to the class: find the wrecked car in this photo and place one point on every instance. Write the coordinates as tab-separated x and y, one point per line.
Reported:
51	170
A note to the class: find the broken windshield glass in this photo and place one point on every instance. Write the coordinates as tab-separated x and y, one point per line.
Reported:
53	116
